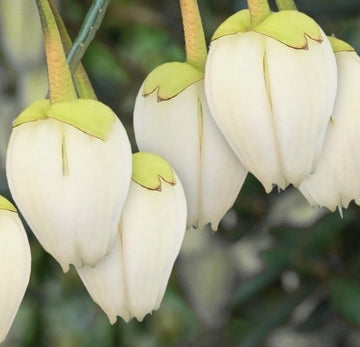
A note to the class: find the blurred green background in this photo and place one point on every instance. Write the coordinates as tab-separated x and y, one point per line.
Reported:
277	273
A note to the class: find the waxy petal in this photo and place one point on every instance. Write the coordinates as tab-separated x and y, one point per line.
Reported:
15	264
182	130
70	187
222	174
170	128
236	91
106	283
131	280
272	102
336	179
301	87
151	240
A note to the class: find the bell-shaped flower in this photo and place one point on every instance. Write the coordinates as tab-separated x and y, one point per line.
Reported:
172	119
271	90
68	169
15	265
336	180
69	161
131	280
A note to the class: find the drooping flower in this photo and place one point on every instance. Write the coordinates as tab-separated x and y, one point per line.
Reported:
131	280
68	164
336	180
15	265
68	169
172	119
271	89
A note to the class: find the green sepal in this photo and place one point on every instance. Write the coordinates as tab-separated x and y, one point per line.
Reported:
340	45
237	23
32	113
90	116
148	169
292	28
6	205
170	79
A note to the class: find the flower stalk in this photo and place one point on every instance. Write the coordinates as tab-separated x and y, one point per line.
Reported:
60	81
259	11
195	44
81	79
286	5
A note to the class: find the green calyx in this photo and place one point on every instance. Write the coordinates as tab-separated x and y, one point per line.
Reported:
170	79
237	23
291	28
6	205
149	169
340	45
90	116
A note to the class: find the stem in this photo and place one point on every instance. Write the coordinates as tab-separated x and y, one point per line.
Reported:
60	82
286	5
90	25
195	44
81	79
259	11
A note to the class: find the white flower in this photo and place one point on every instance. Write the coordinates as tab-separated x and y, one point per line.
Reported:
131	280
336	180
172	119
15	264
70	176
271	91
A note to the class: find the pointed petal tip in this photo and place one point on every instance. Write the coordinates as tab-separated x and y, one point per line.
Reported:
65	267
112	319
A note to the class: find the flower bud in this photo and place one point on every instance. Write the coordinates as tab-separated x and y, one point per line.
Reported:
15	264
271	90
172	119
131	280
68	169
336	179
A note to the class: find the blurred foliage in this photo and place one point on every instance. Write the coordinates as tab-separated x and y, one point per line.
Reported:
277	273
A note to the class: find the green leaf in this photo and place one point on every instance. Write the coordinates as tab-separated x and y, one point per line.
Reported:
344	294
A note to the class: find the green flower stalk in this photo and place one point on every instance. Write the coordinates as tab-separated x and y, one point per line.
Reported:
68	164
81	80
286	5
259	11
